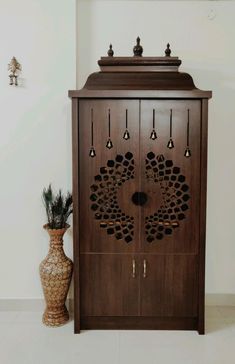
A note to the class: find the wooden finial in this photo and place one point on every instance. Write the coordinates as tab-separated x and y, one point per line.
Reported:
138	49
168	50
110	51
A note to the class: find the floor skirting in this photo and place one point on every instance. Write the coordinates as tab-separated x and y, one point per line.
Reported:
38	304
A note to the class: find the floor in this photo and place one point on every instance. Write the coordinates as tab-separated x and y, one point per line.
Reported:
24	340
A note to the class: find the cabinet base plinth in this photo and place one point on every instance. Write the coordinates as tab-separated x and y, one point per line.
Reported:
139	323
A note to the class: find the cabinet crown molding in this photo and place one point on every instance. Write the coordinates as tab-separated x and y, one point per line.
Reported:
139	73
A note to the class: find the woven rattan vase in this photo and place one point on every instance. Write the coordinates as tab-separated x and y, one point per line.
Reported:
56	273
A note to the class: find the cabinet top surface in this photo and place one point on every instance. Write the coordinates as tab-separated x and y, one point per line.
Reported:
139	77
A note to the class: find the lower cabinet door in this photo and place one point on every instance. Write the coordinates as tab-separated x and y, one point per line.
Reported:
169	285
109	285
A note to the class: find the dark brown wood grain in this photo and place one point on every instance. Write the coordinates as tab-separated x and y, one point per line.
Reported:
185	238
139	323
143	61
140	94
94	238
139	80
109	285
203	194
166	287
76	209
169	288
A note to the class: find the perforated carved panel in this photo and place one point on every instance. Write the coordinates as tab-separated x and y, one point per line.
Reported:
173	190
174	197
104	197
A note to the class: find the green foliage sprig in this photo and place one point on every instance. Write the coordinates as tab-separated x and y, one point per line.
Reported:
58	207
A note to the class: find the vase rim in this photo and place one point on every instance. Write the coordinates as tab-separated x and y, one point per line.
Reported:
46	227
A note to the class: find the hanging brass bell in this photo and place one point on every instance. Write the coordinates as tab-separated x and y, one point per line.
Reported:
170	144
92	152
126	135
187	152
153	135
109	144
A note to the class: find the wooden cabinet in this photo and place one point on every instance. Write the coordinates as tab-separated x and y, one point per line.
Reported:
139	189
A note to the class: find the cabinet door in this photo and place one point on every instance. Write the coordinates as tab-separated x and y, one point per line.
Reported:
169	286
109	285
109	221
170	217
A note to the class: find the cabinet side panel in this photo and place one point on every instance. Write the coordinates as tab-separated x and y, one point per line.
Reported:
203	194
75	141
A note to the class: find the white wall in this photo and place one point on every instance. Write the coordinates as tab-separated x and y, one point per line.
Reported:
202	34
35	140
35	137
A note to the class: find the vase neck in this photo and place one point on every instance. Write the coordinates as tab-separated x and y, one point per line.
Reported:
56	238
56	243
56	247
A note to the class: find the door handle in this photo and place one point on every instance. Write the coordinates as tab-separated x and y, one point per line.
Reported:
133	269
144	268
139	198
